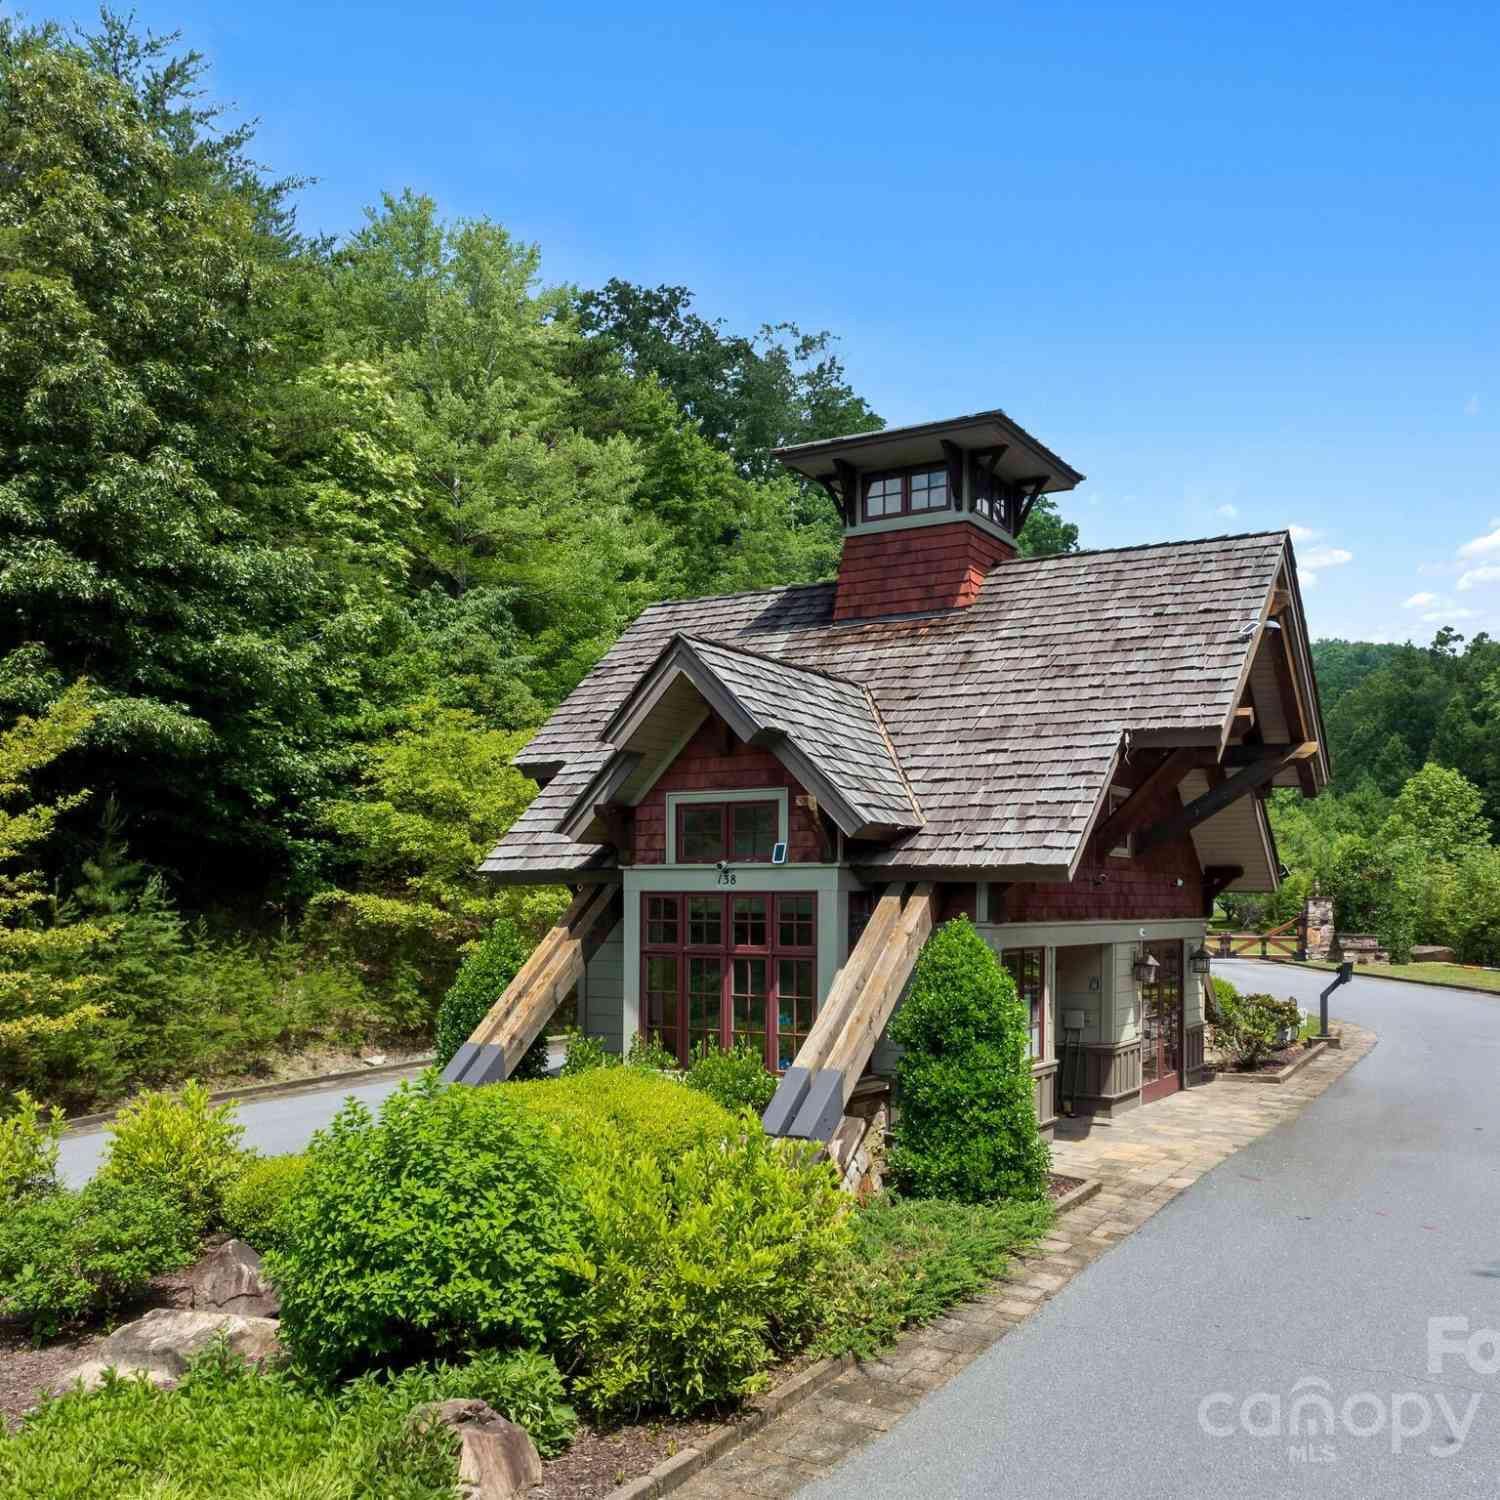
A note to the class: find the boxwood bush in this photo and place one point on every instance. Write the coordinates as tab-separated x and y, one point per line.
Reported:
737	1079
255	1203
440	1226
66	1256
966	1125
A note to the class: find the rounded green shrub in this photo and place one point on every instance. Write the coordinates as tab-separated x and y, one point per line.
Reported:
481	981
440	1226
181	1146
583	1053
255	1203
524	1386
966	1126
66	1257
652	1112
30	1138
1221	998
737	1079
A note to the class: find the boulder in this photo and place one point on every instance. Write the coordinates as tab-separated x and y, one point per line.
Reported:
1433	955
496	1459
161	1345
228	1279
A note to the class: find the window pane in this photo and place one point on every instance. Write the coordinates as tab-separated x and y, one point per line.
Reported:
750	921
661	922
751	1001
795	1007
705	1002
929	490
794	924
1025	966
705	922
700	834
754	825
883	497
661	1002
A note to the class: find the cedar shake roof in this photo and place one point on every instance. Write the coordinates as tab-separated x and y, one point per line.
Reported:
1006	717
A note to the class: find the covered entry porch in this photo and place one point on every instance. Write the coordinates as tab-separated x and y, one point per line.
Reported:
1117	1013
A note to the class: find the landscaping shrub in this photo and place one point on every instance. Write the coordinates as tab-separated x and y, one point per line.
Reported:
737	1079
1248	1026
697	1271
525	1387
648	1052
911	1259
441	1226
228	1432
29	1140
583	1054
1221	996
183	1147
255	1203
68	1256
480	982
652	1113
966	1127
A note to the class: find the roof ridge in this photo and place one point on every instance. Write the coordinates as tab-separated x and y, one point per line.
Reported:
779	588
1192	541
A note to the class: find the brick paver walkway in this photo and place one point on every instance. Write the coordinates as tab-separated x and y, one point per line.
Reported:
1143	1159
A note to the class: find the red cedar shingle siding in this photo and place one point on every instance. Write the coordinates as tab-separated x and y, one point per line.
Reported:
960	900
914	571
702	766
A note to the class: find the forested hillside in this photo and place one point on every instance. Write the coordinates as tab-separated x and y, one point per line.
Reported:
1403	840
300	538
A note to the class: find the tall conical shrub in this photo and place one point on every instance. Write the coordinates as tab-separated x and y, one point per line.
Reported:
966	1127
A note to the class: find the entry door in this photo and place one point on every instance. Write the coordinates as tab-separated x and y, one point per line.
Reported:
1161	1024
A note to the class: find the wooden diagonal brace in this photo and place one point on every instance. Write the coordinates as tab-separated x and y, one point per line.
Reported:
1217	798
1216	880
1135	809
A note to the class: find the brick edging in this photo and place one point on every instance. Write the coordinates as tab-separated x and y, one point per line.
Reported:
1081	1194
1281	1074
673	1472
82	1124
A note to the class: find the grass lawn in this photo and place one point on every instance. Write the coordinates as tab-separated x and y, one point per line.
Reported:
1456	975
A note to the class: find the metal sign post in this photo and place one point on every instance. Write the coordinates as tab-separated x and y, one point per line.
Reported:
1345	974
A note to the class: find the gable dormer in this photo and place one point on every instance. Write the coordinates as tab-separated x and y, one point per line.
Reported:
928	510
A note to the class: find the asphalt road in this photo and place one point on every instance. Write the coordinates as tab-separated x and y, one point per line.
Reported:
1307	1265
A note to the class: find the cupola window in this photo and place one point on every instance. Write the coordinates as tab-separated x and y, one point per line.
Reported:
909	492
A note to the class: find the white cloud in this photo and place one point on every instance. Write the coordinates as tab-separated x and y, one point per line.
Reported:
1483	546
1485	573
1328	557
1304	533
1471	407
1420	601
1307	580
1229	512
1448	616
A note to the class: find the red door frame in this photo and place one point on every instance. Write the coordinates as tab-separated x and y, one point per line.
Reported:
1166	1082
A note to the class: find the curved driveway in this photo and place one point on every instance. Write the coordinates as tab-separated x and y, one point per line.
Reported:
1307	1265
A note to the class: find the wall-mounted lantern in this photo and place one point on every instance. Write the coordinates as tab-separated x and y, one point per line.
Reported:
1145	968
1199	961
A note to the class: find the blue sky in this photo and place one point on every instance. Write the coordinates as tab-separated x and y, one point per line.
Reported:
1237	264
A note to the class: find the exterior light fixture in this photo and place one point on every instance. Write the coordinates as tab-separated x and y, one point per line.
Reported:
1199	961
1145	968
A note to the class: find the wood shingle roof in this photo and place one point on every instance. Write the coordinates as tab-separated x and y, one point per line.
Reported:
1006	717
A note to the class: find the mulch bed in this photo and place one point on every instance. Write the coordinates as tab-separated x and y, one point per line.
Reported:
1060	1186
600	1461
1272	1062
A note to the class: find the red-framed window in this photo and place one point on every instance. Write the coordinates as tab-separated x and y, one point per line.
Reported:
741	832
716	969
1027	967
907	492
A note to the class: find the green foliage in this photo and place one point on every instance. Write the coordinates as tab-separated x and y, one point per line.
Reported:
910	1259
439	1227
1220	999
966	1127
481	981
584	1054
648	1052
228	1432
1045	532
525	1387
255	1203
30	1138
182	1147
1441	812
737	1079
696	1272
1248	1027
652	1113
69	1256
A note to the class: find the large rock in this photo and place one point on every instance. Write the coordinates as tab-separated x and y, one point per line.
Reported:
496	1459
228	1279
1433	955
161	1345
